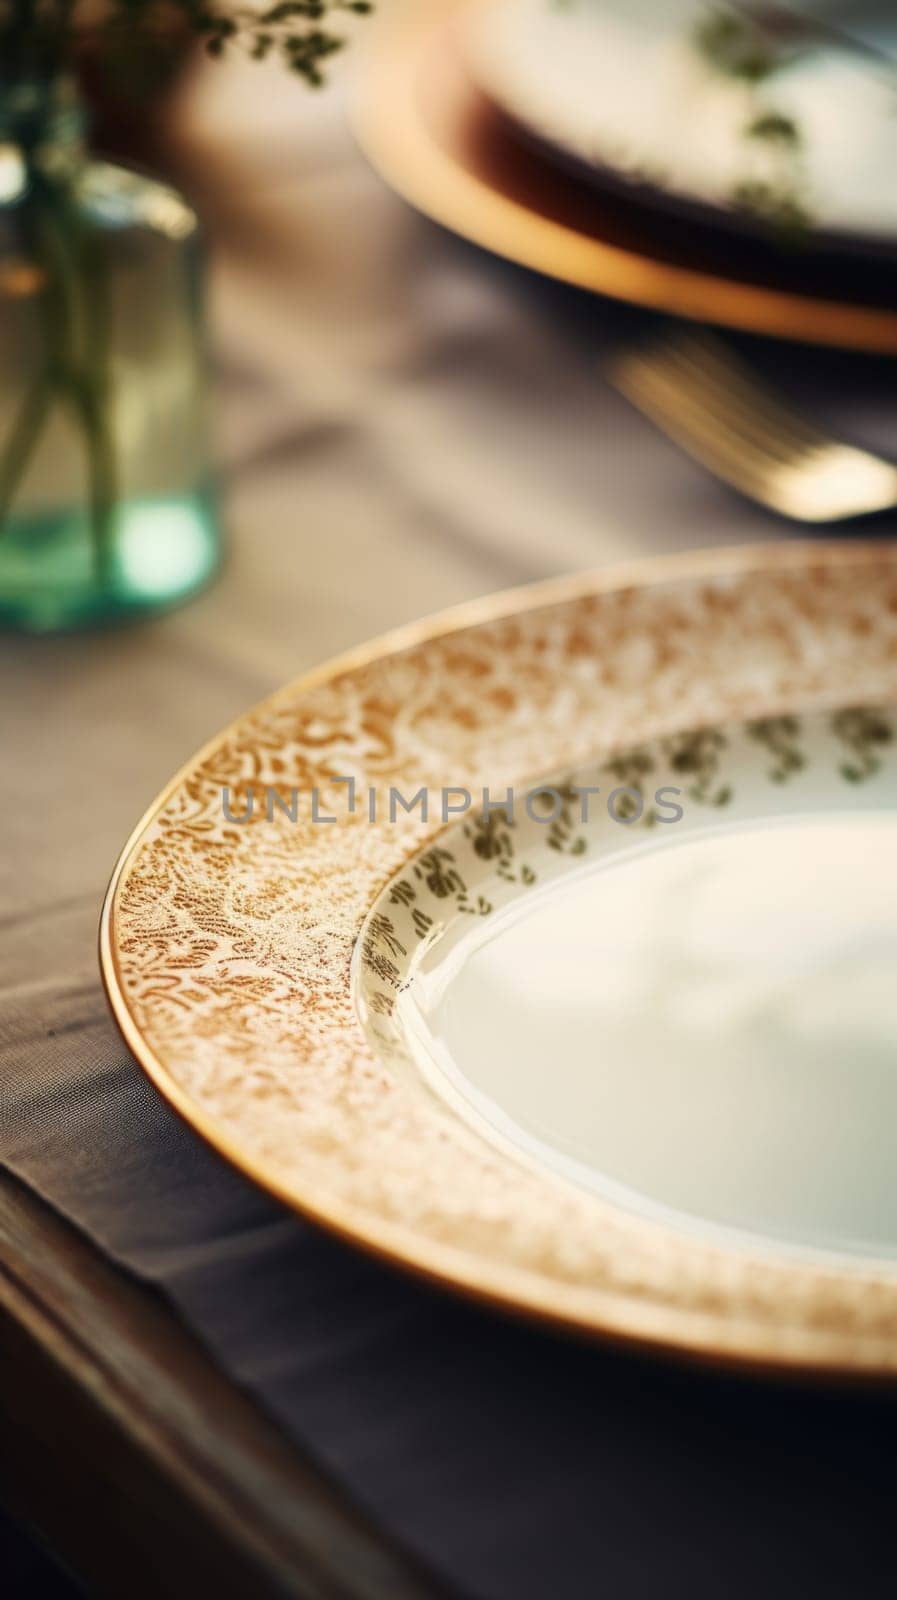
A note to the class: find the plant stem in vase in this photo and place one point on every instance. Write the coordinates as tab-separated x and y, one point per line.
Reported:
105	502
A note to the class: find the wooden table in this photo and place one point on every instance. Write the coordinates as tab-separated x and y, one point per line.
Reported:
137	1461
369	480
123	1447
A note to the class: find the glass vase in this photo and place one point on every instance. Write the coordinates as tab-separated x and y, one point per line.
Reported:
106	504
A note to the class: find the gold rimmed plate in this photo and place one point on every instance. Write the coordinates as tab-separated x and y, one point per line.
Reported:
662	102
441	144
621	1059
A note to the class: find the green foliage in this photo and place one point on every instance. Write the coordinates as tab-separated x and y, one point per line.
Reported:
737	46
775	128
39	38
752	48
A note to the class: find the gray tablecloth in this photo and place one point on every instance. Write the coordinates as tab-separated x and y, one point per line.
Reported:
403	424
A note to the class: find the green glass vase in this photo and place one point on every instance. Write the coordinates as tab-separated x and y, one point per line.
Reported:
106	503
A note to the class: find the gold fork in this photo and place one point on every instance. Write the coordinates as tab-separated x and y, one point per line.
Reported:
709	402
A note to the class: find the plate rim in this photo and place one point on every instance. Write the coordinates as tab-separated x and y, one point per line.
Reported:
603	175
625	1320
414	164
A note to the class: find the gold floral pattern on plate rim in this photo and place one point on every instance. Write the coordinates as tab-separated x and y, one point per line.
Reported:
778	768
226	951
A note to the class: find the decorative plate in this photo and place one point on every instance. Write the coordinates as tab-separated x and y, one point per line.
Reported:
547	949
440	142
707	104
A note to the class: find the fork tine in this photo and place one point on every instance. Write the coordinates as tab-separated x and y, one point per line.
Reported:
786	465
730	384
748	407
732	417
695	427
711	354
695	408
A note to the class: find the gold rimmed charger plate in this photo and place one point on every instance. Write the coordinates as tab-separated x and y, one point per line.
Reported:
227	948
436	140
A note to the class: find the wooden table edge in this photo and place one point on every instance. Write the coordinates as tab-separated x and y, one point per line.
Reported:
140	1464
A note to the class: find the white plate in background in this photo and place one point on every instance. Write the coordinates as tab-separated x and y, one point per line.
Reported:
631	92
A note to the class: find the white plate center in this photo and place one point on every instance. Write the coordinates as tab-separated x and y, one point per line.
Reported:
708	1026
